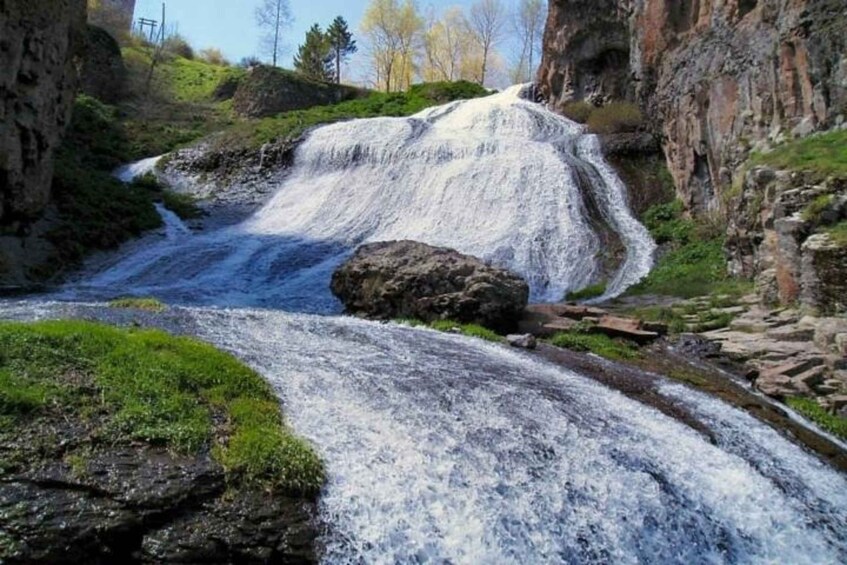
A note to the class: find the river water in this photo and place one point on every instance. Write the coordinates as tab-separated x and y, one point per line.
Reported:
445	449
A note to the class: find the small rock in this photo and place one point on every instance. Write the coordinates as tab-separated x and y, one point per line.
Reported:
522	341
579	312
628	328
812	377
838	402
776	385
791	333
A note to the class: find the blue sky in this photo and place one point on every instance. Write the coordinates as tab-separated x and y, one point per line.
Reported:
230	24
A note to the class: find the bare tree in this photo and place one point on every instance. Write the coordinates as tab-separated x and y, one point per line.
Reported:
529	26
487	22
274	16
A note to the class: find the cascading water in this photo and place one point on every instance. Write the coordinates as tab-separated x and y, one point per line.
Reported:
499	177
445	449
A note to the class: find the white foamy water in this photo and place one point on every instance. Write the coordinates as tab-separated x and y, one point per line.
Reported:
500	178
129	173
444	449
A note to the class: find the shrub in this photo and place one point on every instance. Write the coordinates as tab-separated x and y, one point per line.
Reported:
617	117
667	224
214	57
178	46
578	111
838	233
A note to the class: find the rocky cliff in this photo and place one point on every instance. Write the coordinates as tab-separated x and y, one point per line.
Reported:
39	44
717	78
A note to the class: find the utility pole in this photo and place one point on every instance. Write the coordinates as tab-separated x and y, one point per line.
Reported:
157	52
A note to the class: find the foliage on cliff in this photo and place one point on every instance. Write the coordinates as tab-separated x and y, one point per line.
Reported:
823	154
692	261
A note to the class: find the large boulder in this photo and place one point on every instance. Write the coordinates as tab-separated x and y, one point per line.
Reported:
407	279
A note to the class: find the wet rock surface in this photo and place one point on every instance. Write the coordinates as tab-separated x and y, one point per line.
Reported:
407	279
67	497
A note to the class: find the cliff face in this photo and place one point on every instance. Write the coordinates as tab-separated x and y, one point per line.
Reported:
39	42
717	78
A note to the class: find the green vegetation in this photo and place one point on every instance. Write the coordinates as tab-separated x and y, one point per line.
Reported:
470	330
694	264
809	408
578	111
815	210
617	117
838	233
602	345
146	385
587	293
132	303
290	125
449	326
823	154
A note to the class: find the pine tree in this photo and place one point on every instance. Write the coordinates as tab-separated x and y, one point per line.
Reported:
341	43
314	57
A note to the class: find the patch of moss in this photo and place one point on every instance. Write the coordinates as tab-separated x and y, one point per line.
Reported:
183	205
809	408
602	345
817	207
838	233
132	303
578	111
587	293
471	330
156	388
823	154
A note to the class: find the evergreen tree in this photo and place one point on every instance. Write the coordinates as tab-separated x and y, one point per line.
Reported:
341	43
314	57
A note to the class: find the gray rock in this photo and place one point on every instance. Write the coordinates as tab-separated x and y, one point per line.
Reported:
522	341
407	279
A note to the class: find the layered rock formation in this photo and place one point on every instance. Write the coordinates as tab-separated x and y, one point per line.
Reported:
39	44
407	279
717	77
772	238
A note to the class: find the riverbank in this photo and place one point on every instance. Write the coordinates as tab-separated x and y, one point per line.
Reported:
123	444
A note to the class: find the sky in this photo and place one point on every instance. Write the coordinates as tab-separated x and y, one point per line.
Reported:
230	25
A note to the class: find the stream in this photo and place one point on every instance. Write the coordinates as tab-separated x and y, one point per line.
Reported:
446	449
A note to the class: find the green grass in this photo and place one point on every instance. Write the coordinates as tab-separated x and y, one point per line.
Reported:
823	154
602	345
587	293
470	330
290	125
838	233
814	211
148	386
132	303
694	263
809	408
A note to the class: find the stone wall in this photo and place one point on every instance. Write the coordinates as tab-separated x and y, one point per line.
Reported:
39	42
716	78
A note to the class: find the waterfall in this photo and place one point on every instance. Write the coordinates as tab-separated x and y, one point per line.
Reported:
501	178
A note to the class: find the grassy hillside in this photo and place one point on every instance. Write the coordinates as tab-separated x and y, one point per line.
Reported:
824	154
